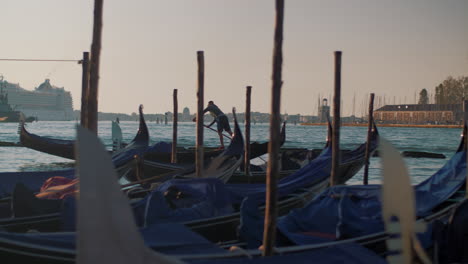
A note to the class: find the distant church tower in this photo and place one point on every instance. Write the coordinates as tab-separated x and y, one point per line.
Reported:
324	111
186	114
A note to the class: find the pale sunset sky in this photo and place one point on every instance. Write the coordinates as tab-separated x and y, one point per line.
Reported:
391	48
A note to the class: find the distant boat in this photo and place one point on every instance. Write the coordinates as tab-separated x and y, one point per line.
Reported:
46	102
7	114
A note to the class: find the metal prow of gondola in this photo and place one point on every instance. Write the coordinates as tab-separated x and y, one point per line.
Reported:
399	210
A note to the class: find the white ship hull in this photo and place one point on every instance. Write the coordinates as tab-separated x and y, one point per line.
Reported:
46	102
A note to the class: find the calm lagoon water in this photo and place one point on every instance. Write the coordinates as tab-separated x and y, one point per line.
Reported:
438	140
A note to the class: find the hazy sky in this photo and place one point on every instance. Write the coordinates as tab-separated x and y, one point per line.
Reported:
392	48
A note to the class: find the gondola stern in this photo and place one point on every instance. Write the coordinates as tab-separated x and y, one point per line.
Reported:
329	133
462	145
283	134
142	136
237	143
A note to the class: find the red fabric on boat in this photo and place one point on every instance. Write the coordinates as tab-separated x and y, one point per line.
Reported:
58	188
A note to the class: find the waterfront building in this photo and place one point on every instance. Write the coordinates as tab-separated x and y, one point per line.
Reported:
420	114
46	102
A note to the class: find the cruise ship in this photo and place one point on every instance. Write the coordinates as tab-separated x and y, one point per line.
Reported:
45	103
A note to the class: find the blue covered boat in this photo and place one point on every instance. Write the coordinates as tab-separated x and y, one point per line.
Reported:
60	247
33	180
353	213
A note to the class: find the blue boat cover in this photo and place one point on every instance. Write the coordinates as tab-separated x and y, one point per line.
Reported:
183	200
315	171
169	238
191	199
342	212
176	239
204	198
347	253
34	179
161	147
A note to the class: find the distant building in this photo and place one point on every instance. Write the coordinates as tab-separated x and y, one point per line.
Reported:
323	111
420	114
293	119
186	114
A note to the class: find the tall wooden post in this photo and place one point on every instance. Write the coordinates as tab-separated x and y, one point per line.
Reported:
174	129
271	210
247	132
336	121
200	104
84	90
465	122
369	134
94	67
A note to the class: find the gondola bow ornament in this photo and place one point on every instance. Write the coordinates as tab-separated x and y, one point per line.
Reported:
399	208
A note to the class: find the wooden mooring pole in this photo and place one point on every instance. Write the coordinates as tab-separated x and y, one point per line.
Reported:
174	129
200	104
247	132
271	209
465	122
369	134
84	90
336	121
92	109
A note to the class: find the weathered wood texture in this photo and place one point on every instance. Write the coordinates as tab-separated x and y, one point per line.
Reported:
336	120
369	133
271	210
94	67
200	104
174	129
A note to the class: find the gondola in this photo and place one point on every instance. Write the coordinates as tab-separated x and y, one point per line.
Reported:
294	191
344	214
220	166
65	148
187	155
291	160
27	208
33	180
60	247
347	218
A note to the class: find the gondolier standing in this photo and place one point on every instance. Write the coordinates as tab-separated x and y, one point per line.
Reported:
221	120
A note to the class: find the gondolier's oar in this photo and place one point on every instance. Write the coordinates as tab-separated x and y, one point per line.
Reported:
399	208
226	136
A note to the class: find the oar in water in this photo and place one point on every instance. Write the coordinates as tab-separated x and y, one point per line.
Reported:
217	131
194	119
399	208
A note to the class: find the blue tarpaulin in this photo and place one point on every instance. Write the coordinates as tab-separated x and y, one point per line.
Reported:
347	253
204	198
168	238
33	180
350	211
